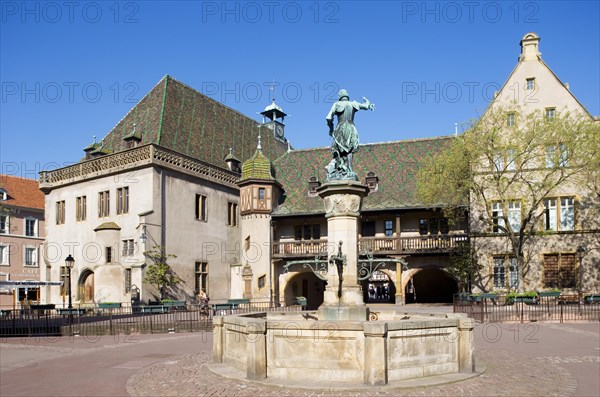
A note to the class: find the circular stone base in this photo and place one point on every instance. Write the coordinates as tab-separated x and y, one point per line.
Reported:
229	372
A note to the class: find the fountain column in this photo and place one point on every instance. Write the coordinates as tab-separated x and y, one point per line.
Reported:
342	201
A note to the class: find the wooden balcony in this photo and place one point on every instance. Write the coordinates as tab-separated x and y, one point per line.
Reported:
411	245
298	248
377	245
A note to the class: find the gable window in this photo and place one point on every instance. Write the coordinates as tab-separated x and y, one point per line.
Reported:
201	277
307	232
505	272
81	208
510	119
4	255
201	209
550	113
103	204
122	200
389	228
31	256
530	83
60	212
3	224
31	227
232	212
560	271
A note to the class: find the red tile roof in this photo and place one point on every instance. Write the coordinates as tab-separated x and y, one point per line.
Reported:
22	192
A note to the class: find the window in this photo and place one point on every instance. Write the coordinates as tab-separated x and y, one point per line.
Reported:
60	212
201	210
261	193
3	195
433	226
64	277
127	280
122	200
505	265
511	155
31	256
559	271
367	229
3	224
497	217
567	213
550	214
557	156
510	120
498	162
262	280
550	113
31	227
4	255
128	247
307	232
514	215
530	84
103	204
247	243
389	228
108	254
81	208
201	277
232	214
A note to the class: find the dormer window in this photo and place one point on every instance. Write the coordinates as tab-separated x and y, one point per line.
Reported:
3	195
530	84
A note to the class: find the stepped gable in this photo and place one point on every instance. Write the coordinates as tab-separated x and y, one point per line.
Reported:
395	163
180	118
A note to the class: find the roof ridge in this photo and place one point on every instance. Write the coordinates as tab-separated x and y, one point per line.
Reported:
2	176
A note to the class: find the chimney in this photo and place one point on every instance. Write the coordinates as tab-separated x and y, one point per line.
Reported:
529	47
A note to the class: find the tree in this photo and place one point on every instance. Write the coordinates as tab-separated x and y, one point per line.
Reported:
159	273
506	173
463	266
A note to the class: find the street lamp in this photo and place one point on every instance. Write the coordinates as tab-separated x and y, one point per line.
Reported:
580	254
69	263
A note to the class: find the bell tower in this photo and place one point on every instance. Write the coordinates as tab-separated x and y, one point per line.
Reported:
273	118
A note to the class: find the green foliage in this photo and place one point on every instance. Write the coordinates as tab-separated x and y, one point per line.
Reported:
462	265
493	163
159	273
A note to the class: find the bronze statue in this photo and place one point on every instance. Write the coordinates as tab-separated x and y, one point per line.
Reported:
345	136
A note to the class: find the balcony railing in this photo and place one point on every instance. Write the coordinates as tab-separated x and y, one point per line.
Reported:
443	243
299	247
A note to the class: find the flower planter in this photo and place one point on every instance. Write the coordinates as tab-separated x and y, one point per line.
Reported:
489	296
173	303
526	299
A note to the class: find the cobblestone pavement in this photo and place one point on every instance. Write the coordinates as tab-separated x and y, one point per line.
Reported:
508	374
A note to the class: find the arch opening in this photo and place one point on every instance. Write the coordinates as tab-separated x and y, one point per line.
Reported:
85	286
379	288
431	286
308	285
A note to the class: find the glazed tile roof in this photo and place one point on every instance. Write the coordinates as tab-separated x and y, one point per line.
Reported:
180	118
257	167
395	163
22	192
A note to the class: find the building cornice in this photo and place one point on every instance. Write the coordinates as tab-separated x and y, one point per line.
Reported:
140	157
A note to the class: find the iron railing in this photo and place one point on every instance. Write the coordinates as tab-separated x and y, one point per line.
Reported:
91	320
503	308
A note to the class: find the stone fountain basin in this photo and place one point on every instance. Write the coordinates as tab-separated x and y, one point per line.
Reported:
299	347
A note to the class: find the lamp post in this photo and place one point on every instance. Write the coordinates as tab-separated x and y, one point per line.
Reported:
69	263
580	254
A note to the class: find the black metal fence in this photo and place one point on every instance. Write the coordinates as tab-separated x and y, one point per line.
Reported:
563	308
91	320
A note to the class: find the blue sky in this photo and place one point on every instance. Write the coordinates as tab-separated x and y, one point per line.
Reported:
71	70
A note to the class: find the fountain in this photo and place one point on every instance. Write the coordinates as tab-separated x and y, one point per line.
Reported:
339	344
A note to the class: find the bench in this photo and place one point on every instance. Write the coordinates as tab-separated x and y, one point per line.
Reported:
221	308
71	312
236	302
5	313
174	304
154	309
590	299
